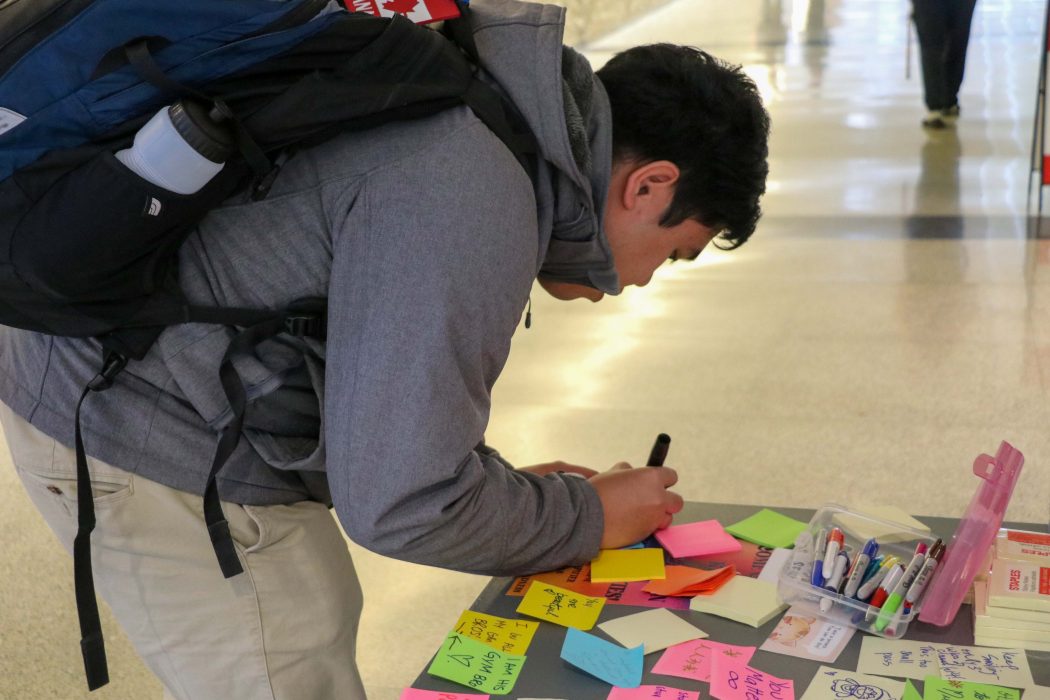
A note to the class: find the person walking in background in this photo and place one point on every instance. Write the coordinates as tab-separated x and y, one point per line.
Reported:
943	27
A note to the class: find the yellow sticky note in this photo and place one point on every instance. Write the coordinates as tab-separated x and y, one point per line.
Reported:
628	565
508	636
560	606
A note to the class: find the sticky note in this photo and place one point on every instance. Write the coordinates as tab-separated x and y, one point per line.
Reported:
627	565
768	529
939	689
693	659
508	636
743	599
700	539
733	679
898	658
654	629
835	684
468	662
985	665
561	607
645	692
910	693
863	529
415	694
603	660
688	581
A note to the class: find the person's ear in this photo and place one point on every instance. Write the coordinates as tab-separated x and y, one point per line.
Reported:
649	188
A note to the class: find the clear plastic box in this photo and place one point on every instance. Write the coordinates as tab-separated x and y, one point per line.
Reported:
795	588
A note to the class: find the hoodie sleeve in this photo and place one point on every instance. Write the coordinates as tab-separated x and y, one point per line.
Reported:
433	263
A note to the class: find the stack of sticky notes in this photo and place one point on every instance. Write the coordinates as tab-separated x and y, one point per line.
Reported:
743	599
654	629
697	539
768	528
616	565
685	581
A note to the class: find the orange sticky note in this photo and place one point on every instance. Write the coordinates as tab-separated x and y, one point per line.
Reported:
683	579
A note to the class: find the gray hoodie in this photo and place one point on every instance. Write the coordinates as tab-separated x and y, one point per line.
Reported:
426	237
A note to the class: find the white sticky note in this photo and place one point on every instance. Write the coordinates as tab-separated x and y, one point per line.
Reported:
743	599
1006	667
835	683
898	658
655	629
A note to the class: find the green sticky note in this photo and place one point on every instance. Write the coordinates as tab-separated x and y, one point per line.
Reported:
475	665
768	529
910	693
940	689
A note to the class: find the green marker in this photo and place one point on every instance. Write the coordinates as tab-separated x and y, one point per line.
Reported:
893	603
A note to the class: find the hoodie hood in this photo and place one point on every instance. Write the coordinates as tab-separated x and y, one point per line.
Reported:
565	106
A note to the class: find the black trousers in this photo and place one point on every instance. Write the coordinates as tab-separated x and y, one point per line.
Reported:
943	27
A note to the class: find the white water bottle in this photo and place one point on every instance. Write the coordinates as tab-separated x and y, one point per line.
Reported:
180	149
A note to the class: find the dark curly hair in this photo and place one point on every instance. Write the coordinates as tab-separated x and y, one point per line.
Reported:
681	104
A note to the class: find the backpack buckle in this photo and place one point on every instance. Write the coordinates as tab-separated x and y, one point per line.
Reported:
111	367
304	326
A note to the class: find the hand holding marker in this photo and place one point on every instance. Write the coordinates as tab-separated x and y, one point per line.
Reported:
658	454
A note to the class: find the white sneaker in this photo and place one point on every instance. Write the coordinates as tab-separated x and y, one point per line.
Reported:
935	120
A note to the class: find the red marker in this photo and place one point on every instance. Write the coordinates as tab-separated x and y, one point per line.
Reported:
835	542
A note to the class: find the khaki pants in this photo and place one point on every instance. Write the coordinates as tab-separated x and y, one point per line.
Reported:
285	628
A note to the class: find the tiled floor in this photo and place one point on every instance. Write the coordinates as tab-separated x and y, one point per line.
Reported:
888	322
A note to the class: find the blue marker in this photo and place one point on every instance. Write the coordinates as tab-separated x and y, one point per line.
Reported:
860	566
818	558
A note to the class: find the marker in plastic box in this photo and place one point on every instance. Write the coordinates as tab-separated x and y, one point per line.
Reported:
836	541
883	592
868	588
817	577
925	574
896	597
834	583
859	567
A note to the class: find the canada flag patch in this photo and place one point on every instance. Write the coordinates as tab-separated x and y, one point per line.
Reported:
419	11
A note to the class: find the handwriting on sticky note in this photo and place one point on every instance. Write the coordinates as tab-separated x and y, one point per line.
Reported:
898	658
508	636
468	662
733	679
416	694
561	607
604	660
941	689
980	665
614	565
660	692
693	659
836	684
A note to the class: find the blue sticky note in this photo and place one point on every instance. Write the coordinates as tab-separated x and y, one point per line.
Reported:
605	660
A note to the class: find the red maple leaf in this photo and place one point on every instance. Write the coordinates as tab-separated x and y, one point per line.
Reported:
402	7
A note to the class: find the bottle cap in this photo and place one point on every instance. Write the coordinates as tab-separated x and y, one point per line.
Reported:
212	140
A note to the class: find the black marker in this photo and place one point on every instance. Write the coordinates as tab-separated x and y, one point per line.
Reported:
659	451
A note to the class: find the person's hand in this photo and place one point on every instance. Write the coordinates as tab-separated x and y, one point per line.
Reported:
636	502
553	467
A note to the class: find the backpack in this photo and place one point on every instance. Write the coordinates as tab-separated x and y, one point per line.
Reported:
89	249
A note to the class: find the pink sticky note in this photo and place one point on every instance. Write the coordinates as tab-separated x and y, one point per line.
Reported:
645	692
733	679
632	594
693	659
415	694
697	539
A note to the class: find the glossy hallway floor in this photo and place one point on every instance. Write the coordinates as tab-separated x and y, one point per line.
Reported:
889	321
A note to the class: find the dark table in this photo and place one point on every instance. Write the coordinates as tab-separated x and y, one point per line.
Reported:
545	675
